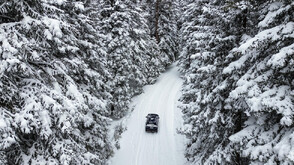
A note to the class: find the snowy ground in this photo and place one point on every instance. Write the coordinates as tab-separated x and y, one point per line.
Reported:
165	147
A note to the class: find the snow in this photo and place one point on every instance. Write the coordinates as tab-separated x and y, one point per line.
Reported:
165	147
283	148
80	6
73	92
54	27
2	123
279	59
272	34
7	47
207	69
48	34
270	17
58	2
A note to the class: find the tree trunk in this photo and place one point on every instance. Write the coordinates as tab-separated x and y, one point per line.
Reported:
157	20
239	123
112	2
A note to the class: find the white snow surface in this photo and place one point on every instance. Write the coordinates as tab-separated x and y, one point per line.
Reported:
165	147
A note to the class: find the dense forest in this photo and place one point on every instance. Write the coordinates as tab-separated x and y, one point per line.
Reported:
238	63
69	68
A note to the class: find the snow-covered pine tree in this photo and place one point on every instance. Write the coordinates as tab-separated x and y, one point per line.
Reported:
53	104
63	66
262	71
208	34
243	113
167	29
162	16
131	53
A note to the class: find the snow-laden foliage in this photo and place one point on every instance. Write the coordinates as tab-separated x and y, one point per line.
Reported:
162	22
131	52
205	44
53	103
168	30
237	57
61	74
263	74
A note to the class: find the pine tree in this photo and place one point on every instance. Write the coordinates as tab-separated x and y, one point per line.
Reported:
208	35
163	27
167	29
53	105
237	95
130	53
263	72
66	68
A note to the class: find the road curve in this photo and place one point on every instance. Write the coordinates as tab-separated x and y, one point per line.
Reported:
165	147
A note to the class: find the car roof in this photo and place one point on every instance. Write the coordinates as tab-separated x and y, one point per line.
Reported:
152	114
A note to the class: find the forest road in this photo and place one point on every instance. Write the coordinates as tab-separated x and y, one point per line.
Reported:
166	147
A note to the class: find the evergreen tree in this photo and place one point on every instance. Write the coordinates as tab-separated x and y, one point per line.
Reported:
53	105
65	69
263	75
209	32
167	29
163	27
237	76
130	52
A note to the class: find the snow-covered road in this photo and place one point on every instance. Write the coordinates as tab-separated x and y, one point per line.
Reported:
165	147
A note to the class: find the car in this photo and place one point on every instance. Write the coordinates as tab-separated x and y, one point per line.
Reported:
152	121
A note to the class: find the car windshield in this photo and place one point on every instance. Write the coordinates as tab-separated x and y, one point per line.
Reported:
152	115
151	121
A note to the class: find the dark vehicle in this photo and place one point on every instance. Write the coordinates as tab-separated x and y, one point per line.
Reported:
152	122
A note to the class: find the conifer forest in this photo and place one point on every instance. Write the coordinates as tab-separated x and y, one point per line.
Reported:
69	69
